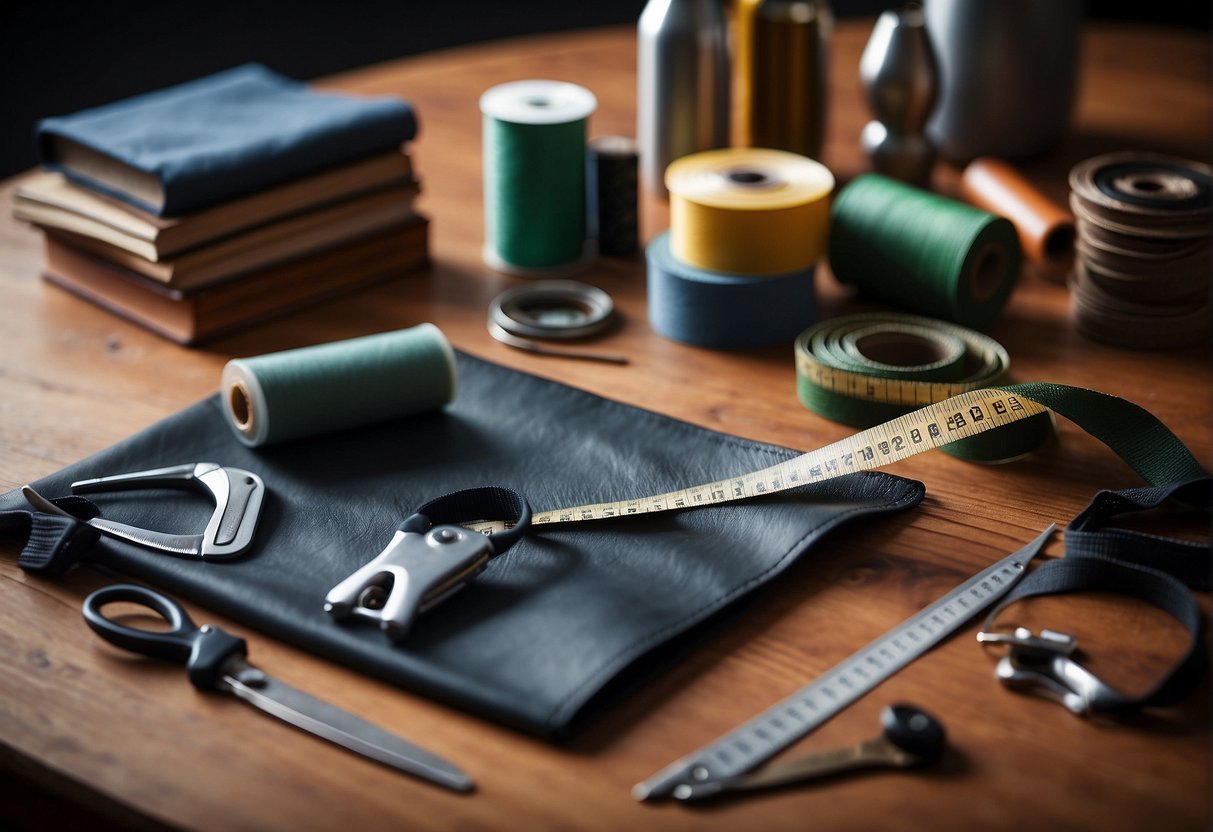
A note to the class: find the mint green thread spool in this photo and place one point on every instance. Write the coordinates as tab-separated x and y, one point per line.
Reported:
921	251
535	176
337	386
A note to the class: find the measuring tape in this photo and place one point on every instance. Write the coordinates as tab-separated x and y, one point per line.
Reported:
865	369
1132	432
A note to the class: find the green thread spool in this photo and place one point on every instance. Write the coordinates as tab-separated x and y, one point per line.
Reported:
921	251
337	386
535	176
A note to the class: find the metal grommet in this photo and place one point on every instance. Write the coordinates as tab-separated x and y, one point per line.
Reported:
561	309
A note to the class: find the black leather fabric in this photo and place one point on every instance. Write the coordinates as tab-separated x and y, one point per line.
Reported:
549	624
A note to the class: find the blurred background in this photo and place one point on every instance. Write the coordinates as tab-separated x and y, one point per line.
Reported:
56	58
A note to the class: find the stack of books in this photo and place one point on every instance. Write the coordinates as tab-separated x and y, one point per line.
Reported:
201	209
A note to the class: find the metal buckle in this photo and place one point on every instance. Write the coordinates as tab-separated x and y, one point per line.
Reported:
1044	664
413	573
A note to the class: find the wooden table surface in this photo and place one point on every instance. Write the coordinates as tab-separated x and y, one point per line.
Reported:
132	740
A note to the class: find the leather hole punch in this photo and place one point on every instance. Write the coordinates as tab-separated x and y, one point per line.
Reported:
428	559
238	496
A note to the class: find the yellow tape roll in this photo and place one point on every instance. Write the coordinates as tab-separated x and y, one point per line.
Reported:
749	211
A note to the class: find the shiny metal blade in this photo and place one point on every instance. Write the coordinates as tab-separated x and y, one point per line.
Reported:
341	727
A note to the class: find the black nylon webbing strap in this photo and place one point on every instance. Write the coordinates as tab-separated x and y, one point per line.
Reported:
1152	568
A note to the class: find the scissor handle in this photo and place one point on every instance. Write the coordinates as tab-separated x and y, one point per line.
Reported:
203	650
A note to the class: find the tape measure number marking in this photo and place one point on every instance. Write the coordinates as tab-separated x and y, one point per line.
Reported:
958	417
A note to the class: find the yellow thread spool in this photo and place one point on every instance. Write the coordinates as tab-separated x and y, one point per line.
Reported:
749	211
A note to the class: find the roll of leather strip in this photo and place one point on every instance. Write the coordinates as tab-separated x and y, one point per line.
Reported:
1142	277
863	370
1046	229
337	386
923	252
749	211
721	310
535	176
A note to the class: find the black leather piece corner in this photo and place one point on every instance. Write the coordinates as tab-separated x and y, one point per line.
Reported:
546	626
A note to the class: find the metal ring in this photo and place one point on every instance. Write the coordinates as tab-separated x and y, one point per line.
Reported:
561	309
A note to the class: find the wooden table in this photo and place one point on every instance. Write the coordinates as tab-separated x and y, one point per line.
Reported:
131	740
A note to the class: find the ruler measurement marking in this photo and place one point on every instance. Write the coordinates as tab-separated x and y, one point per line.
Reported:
800	713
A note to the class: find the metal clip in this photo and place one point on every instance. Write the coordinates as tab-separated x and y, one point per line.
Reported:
420	567
237	494
1044	664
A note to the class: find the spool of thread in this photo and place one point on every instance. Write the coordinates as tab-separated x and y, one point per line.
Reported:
535	176
614	195
1046	230
749	211
337	386
923	252
720	310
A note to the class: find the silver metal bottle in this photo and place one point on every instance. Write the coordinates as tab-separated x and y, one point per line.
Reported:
682	92
901	77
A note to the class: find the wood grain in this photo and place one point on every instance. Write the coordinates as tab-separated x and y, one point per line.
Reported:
121	734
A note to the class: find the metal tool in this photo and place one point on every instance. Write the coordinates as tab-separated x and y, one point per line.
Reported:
782	724
429	558
1045	664
911	738
215	660
237	494
419	568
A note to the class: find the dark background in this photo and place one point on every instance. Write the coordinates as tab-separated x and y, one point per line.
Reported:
58	57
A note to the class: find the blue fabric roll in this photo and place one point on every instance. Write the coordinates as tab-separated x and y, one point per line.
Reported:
725	311
226	135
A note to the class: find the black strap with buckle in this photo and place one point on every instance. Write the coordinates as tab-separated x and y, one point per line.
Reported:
1098	557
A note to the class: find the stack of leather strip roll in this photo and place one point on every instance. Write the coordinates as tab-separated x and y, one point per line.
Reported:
736	268
1143	273
863	370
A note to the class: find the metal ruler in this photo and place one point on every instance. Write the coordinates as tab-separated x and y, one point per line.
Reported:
783	724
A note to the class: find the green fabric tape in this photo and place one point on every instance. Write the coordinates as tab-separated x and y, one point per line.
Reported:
864	370
923	252
1135	434
345	384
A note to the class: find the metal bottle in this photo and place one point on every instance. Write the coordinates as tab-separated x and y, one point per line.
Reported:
791	74
1008	75
682	90
899	72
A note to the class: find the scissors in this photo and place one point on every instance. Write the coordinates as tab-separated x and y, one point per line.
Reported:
215	660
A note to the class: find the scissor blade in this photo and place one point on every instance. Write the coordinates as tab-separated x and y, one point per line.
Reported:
341	727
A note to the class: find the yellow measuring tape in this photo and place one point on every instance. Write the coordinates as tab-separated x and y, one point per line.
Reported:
933	426
916	384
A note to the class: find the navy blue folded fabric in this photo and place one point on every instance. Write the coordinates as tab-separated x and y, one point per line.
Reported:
219	137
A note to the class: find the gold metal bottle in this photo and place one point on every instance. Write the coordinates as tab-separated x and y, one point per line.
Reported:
790	83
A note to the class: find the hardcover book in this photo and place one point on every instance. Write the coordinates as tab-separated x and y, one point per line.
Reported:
49	200
208	141
192	317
